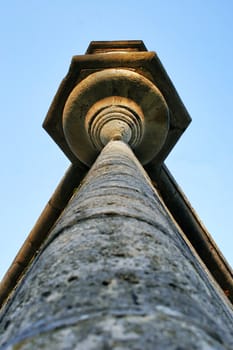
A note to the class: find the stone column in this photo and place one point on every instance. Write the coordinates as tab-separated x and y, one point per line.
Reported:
116	273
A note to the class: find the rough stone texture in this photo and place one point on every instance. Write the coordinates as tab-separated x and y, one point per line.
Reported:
116	273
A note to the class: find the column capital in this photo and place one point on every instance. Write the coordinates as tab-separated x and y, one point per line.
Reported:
115	103
123	69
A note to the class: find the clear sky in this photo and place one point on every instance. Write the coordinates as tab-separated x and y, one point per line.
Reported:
194	40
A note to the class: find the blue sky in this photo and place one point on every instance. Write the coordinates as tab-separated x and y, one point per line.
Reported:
37	40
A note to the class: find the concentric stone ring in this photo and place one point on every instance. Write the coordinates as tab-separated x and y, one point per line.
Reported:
115	104
115	117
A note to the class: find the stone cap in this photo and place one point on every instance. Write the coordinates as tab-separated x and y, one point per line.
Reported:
131	55
111	46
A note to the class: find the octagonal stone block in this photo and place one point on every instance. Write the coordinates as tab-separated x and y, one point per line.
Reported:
131	55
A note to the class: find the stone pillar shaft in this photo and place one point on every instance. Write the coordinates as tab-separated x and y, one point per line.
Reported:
116	273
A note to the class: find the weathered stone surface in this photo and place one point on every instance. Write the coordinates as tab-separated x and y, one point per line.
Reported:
116	274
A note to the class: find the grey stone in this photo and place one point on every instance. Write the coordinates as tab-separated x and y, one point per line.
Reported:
116	273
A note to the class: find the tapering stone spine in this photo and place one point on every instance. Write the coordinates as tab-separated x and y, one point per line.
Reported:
116	273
